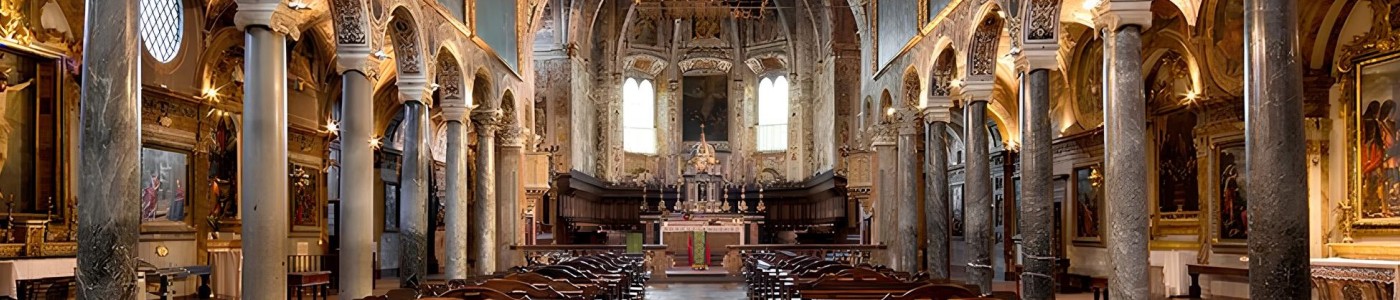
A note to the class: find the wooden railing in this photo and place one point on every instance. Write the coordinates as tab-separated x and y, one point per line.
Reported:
539	255
853	254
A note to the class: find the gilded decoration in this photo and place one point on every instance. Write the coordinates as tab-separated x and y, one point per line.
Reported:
1371	66
13	25
349	21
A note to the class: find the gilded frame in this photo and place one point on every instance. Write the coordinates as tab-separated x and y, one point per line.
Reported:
1360	224
1077	179
1214	202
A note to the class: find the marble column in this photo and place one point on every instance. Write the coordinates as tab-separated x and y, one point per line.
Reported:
483	224
1037	190
1276	152
907	200
109	183
1125	170
413	205
509	193
936	191
456	215
356	178
264	162
886	192
978	186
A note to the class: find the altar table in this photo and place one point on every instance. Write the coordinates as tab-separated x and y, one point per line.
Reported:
13	271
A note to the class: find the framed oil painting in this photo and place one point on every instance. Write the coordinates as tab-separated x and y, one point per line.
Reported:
955	195
1088	206
1377	167
305	198
164	185
1232	219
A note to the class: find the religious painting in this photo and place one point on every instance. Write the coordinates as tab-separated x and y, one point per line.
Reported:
955	195
1225	52
1378	153
1176	163
391	207
1233	206
1088	205
1089	84
222	145
305	198
29	132
164	178
706	108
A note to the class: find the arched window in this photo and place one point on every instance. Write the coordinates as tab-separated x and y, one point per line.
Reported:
162	28
772	114
638	116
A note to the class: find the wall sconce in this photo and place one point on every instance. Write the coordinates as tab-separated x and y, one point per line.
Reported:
332	126
375	143
380	54
298	5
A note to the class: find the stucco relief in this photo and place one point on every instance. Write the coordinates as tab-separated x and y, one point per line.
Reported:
349	21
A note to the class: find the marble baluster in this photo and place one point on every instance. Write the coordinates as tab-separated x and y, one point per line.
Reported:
907	201
264	162
509	193
886	194
109	183
1276	171
456	215
936	192
978	186
357	183
1037	191
1125	150
413	207
483	222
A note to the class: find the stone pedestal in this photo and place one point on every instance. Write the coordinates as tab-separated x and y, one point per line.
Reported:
109	184
509	193
483	220
1276	172
264	162
978	186
413	188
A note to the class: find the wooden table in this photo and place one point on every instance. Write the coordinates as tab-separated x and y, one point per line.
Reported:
1196	270
318	281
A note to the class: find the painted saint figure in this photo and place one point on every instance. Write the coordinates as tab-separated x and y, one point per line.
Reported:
5	126
149	197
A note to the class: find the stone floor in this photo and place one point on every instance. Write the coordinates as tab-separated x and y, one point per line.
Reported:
695	291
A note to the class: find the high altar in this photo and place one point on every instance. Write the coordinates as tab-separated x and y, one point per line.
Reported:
703	220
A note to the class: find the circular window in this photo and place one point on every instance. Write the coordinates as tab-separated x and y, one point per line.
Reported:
162	28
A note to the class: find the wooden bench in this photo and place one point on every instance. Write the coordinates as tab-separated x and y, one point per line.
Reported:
1195	272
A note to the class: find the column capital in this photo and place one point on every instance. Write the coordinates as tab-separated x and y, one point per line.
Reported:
410	91
511	136
486	120
884	136
269	14
1116	14
937	113
978	91
355	58
1039	58
455	112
